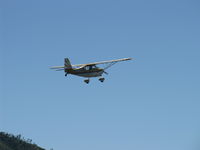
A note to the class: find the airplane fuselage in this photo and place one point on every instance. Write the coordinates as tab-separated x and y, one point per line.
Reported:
94	72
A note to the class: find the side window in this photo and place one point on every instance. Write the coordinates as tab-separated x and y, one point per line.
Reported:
87	67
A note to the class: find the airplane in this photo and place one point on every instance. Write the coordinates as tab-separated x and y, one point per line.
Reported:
87	70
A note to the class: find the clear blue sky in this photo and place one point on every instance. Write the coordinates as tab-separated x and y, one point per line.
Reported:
150	103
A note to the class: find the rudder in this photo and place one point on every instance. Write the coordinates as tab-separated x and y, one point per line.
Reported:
67	63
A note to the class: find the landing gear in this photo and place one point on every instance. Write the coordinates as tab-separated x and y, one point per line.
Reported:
101	79
87	81
65	74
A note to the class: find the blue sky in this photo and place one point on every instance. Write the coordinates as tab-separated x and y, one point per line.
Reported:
149	103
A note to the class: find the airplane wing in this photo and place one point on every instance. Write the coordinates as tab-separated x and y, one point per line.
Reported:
110	63
58	67
102	62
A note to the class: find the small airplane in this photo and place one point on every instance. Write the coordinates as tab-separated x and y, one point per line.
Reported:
87	70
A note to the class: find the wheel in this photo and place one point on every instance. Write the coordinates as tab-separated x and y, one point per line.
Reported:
101	79
65	74
87	81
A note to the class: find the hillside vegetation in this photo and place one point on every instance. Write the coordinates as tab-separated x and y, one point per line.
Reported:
11	142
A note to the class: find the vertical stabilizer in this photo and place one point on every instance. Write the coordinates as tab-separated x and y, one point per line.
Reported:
67	64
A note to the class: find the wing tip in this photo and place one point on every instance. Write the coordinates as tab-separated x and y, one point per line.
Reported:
130	58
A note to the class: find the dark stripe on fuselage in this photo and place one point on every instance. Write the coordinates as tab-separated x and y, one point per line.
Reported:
85	73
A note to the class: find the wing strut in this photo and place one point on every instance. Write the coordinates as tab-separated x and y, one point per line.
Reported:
111	64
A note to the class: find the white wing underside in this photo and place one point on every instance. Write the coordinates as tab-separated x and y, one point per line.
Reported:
110	62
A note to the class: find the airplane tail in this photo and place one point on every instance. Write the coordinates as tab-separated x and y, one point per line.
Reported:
67	64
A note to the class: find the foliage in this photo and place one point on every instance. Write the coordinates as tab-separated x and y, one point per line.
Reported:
11	142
